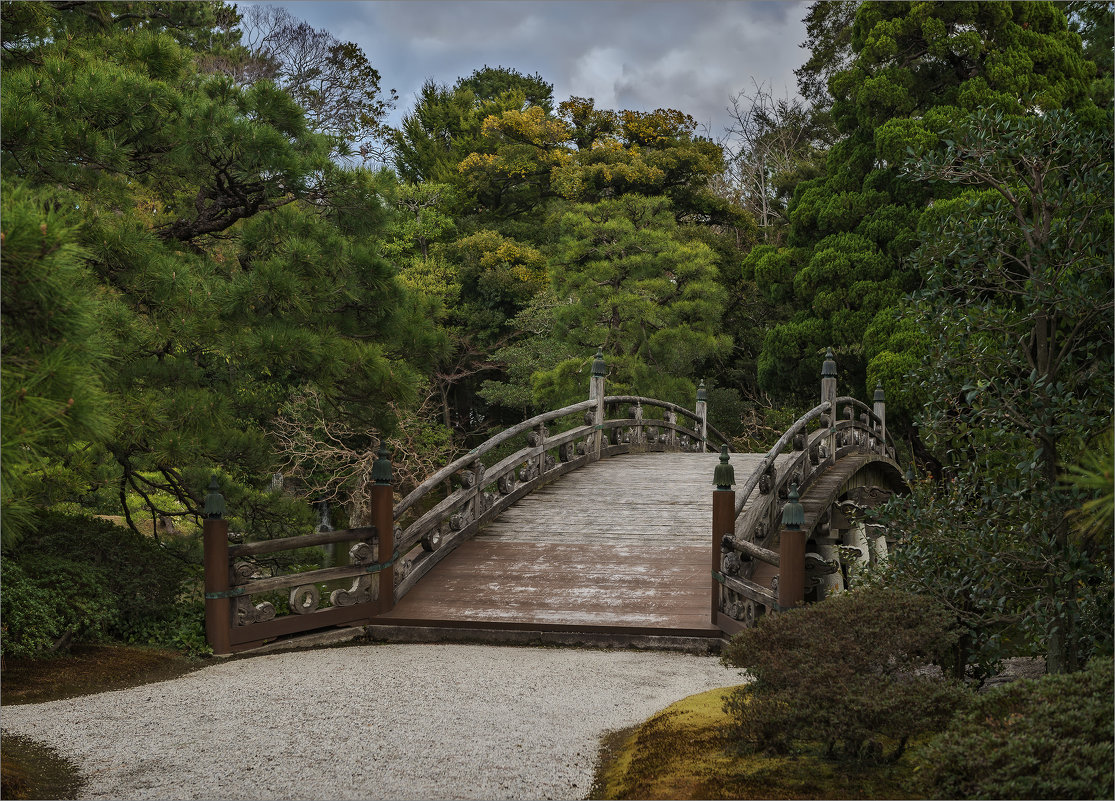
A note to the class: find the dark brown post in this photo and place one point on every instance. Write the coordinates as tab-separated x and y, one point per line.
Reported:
383	518
791	555
723	519
218	610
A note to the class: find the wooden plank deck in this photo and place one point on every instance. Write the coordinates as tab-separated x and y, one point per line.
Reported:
624	543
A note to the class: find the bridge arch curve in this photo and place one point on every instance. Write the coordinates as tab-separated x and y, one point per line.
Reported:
835	461
839	466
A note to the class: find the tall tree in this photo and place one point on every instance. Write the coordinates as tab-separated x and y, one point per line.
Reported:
771	145
625	281
232	260
445	125
1017	311
916	68
332	81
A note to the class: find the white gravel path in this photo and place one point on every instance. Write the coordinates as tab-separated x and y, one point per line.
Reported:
373	721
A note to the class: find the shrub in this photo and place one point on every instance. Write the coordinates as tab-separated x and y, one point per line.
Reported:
847	672
1035	738
76	578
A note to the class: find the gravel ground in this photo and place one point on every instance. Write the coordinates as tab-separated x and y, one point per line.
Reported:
375	721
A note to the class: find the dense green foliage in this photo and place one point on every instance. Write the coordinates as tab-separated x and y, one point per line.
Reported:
1016	317
54	355
915	67
87	579
847	672
227	261
1045	738
626	283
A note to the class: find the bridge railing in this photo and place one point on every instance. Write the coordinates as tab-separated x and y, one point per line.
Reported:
256	591
599	427
810	446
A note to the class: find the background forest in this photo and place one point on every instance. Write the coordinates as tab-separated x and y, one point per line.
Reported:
219	259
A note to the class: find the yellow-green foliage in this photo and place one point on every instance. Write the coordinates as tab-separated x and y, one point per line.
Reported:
681	753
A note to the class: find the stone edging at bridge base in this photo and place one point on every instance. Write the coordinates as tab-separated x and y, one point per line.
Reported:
702	646
584	639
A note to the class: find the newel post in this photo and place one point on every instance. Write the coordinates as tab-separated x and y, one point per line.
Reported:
791	554
596	392
218	605
702	415
383	518
828	395
723	519
881	412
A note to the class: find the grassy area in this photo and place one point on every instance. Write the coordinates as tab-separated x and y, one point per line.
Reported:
680	753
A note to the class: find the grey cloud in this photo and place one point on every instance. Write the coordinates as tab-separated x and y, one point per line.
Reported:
692	55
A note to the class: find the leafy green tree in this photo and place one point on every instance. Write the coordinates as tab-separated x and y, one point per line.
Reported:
445	125
1016	315
828	29
916	68
627	282
491	83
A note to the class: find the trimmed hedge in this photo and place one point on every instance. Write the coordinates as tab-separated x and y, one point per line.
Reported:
1035	738
848	672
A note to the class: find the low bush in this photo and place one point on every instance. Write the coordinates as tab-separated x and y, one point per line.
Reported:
849	672
1035	738
73	578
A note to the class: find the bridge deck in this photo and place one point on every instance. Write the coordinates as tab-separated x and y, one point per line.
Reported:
623	543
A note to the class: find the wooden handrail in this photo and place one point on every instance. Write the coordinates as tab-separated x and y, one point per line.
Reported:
494	442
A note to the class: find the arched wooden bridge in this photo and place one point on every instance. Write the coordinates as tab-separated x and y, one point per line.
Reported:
601	517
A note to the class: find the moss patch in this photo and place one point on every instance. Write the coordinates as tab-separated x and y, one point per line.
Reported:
681	753
29	769
90	669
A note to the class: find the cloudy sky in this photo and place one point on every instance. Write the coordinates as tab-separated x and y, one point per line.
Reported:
692	55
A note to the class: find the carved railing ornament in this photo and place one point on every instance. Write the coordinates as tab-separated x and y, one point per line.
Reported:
304	599
247	612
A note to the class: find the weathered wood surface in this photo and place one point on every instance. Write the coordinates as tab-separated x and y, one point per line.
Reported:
623	542
644	499
565	585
